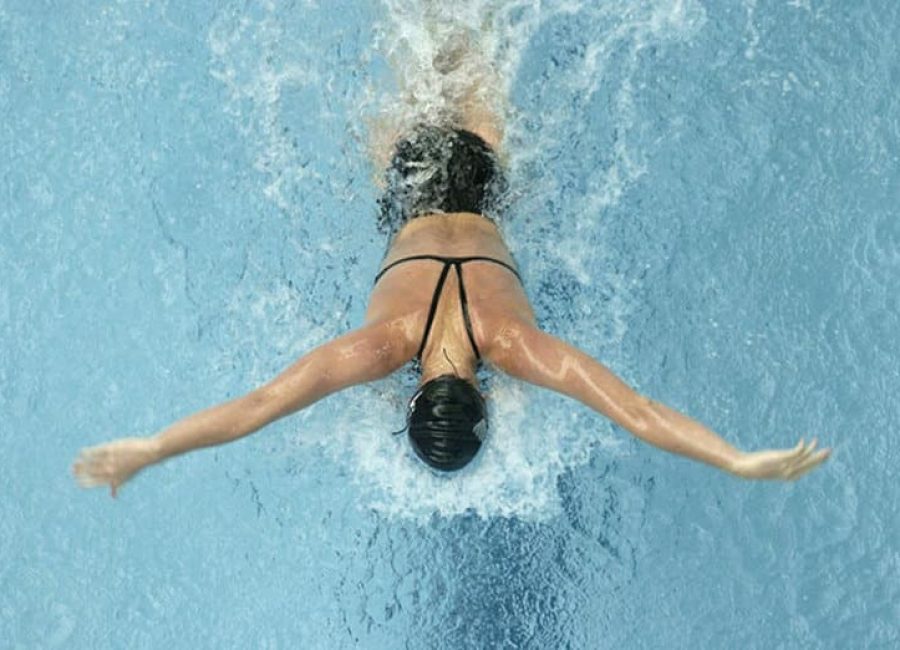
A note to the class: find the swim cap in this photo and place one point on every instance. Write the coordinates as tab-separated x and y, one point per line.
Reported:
447	422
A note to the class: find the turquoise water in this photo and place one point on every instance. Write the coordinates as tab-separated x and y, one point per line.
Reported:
705	199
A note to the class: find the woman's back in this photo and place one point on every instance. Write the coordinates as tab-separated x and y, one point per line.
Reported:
493	293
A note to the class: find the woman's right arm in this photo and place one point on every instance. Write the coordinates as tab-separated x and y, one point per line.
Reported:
362	355
527	353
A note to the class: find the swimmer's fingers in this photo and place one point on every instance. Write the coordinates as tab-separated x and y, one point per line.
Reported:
789	464
807	463
94	468
113	463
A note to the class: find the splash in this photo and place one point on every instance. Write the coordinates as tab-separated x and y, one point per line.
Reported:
541	69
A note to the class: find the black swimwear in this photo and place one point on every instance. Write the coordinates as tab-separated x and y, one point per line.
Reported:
441	170
455	262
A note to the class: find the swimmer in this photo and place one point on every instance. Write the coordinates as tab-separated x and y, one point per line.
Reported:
448	295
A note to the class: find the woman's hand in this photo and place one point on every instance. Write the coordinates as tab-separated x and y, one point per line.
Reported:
114	463
787	464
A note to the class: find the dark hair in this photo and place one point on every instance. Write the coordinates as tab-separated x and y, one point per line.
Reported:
447	422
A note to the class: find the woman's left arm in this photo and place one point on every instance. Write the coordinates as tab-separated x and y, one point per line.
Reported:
527	353
363	355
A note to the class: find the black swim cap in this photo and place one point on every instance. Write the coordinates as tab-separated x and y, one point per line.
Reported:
447	422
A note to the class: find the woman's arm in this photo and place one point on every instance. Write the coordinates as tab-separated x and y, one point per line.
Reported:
357	357
362	355
531	355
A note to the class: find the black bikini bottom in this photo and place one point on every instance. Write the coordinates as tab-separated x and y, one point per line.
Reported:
438	170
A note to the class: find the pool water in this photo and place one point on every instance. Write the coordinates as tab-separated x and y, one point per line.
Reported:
704	197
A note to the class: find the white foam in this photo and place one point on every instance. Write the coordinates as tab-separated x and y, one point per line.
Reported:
478	48
247	60
514	475
753	40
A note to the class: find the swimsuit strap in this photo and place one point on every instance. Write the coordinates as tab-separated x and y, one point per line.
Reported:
446	260
411	258
456	263
433	310
465	307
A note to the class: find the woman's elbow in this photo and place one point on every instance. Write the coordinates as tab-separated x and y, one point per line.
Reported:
639	415
258	408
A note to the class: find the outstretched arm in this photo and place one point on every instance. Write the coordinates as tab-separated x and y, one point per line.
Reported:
362	355
527	353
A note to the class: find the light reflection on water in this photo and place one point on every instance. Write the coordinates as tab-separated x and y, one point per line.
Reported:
704	200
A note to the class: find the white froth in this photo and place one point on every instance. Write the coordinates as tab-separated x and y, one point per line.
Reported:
438	53
247	60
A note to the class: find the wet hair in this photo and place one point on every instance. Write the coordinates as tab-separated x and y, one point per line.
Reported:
447	422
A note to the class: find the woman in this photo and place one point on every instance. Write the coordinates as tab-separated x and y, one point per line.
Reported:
449	295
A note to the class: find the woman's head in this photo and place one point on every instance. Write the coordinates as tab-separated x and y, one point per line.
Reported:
447	422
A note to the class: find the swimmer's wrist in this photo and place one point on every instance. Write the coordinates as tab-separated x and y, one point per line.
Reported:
155	450
734	464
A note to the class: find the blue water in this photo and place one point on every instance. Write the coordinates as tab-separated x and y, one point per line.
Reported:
705	199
